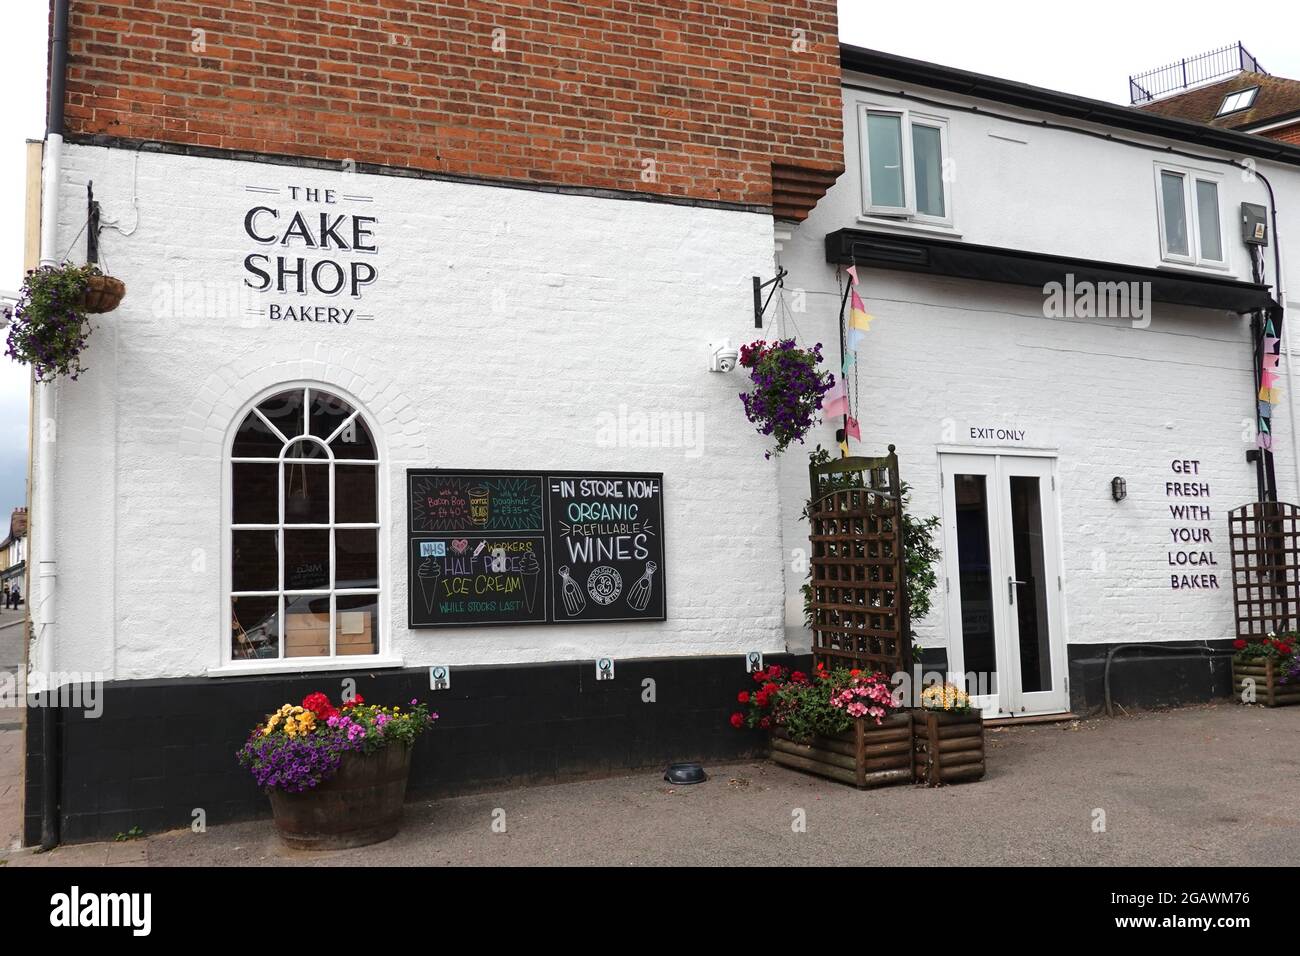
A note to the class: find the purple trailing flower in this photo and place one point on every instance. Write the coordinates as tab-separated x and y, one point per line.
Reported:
47	326
787	390
1291	672
296	764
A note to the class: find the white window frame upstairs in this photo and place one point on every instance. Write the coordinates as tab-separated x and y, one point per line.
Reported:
1195	255
907	120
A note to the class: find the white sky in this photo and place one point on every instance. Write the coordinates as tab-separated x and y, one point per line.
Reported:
1088	48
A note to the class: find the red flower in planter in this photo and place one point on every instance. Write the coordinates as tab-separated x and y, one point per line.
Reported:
319	705
742	697
1238	644
737	720
761	698
760	677
356	701
798	677
765	722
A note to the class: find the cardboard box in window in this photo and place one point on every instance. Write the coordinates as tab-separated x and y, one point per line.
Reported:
354	634
306	634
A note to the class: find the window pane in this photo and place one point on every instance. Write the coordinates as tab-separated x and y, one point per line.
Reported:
1207	220
327	413
1175	213
1031	592
306	448
306	560
306	626
354	442
979	649
355	499
306	493
927	158
254	493
356	559
255	561
284	411
254	628
356	624
255	440
885	159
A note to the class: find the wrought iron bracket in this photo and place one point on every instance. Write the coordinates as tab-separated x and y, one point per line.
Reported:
760	305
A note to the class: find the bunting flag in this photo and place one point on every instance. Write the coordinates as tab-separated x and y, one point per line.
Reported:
853	273
838	406
1270	344
1270	361
1269	331
855	336
1270	395
849	359
835	392
1264	441
844	449
1265	410
851	429
858	316
1268	379
1263	426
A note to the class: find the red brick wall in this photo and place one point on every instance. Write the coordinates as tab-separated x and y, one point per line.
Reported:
583	94
1287	134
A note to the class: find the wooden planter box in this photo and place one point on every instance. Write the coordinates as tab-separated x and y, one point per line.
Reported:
359	805
866	756
1266	675
948	747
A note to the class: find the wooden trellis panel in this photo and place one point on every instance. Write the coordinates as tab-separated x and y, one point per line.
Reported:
1265	539
859	571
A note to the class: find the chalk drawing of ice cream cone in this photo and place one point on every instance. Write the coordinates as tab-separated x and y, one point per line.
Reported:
574	602
429	572
638	597
530	570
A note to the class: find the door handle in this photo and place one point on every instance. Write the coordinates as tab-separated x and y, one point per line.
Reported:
1011	589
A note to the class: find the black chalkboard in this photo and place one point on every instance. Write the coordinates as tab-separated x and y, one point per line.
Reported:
513	547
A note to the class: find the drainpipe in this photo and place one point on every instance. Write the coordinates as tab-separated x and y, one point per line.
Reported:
42	608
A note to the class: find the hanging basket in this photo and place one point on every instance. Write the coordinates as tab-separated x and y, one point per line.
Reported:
103	294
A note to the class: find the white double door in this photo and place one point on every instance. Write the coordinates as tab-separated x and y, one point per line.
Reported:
1002	560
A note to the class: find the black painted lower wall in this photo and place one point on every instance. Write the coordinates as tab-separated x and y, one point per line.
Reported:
162	749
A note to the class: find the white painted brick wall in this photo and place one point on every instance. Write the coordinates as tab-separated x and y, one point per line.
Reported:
508	321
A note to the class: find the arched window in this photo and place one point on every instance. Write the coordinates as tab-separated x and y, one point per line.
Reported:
304	540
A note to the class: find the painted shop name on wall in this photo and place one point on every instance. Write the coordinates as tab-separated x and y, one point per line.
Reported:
314	251
1191	540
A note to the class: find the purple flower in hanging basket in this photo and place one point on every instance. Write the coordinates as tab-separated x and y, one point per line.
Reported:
787	390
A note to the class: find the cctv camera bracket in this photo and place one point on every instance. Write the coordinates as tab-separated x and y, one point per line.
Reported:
760	306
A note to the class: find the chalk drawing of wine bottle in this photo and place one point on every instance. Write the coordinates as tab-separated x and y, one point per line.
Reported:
638	597
574	602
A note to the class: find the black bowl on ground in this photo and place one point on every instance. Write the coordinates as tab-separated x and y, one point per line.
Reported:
685	773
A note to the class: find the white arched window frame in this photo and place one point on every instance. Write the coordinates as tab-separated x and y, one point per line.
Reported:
281	611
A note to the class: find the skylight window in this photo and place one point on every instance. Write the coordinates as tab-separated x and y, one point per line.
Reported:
1240	100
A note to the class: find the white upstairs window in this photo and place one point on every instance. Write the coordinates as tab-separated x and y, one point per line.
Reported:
903	157
1191	228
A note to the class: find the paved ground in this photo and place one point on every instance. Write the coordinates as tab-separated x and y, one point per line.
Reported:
11	658
1204	785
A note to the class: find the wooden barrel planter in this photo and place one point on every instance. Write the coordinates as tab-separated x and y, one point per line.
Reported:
866	756
948	746
361	804
1269	691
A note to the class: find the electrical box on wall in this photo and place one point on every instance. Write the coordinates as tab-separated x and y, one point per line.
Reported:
1254	227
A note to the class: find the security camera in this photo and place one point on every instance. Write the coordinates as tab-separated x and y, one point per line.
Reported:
723	357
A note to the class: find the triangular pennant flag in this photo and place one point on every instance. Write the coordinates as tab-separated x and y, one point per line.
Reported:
860	320
851	428
1263	426
1270	395
836	391
1264	441
849	359
853	273
1270	344
1268	328
1270	361
844	449
1266	410
837	407
856	303
1268	379
855	336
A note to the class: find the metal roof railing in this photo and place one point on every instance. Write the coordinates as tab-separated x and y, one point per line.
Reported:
1192	71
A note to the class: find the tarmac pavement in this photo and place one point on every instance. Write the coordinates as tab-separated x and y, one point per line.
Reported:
1204	785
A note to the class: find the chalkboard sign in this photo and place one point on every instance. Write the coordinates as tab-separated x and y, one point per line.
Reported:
508	547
